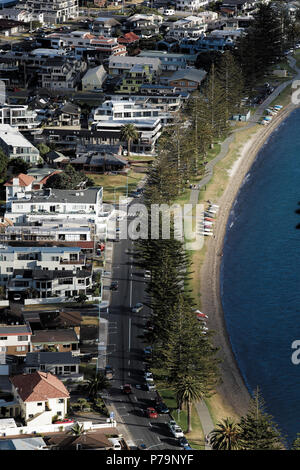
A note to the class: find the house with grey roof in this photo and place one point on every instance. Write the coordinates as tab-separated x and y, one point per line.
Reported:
94	78
64	340
62	364
99	162
186	80
120	65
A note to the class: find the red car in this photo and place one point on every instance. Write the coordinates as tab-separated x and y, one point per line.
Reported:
64	421
152	413
127	389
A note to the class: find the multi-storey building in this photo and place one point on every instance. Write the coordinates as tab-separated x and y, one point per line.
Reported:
60	74
55	11
119	65
18	116
44	258
135	78
85	206
14	145
15	339
45	284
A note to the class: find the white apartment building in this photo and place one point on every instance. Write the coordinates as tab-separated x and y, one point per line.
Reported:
54	11
121	110
14	145
191	26
47	232
84	206
119	65
81	40
45	258
191	5
18	117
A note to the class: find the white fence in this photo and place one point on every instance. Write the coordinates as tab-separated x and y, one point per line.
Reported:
44	429
56	300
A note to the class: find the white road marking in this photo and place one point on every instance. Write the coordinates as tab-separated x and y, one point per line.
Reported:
129	334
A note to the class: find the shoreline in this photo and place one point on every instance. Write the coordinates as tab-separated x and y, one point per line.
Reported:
233	390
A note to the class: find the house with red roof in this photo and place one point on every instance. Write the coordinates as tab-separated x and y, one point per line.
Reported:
41	395
129	39
18	184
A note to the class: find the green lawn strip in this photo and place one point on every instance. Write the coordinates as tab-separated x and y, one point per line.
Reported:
88	369
284	98
196	437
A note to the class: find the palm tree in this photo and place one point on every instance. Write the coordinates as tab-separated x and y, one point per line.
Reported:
226	436
188	392
77	430
97	384
129	133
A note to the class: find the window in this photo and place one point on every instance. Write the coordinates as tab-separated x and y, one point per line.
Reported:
22	338
66	345
60	400
40	404
21	348
3	338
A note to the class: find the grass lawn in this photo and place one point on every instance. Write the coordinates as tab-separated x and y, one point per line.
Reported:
115	186
88	369
87	320
196	436
284	98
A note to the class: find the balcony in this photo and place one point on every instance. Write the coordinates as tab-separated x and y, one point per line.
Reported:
81	260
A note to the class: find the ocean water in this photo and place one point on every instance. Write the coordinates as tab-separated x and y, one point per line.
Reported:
260	275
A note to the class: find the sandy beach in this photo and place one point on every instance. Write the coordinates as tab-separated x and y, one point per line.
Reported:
233	389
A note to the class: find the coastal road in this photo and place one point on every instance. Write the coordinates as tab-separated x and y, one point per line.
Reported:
125	355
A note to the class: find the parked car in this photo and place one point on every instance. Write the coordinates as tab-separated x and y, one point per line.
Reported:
148	351
169	12
127	389
152	413
114	285
175	429
150	387
149	377
137	308
147	275
162	408
183	442
64	421
17	297
109	373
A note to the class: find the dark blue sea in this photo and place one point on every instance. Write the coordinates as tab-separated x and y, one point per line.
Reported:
260	275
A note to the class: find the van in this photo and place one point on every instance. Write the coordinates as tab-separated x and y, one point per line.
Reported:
115	443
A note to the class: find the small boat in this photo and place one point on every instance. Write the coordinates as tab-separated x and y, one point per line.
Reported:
207	234
209	224
209	214
268	118
215	206
200	314
209	219
277	106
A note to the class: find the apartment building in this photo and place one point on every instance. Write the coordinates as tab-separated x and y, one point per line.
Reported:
18	117
118	65
45	284
54	11
45	258
85	206
15	145
60	74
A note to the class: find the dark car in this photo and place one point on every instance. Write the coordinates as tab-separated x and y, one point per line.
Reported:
162	408
114	285
127	389
184	443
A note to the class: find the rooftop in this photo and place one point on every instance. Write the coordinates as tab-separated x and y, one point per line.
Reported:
83	196
37	358
39	386
66	335
12	330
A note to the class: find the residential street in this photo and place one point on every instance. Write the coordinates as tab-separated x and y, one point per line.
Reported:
125	355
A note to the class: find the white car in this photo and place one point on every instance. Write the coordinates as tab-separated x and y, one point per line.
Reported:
149	377
175	429
137	308
150	387
147	274
169	12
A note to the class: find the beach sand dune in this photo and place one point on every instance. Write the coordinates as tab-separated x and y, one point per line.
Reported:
233	389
